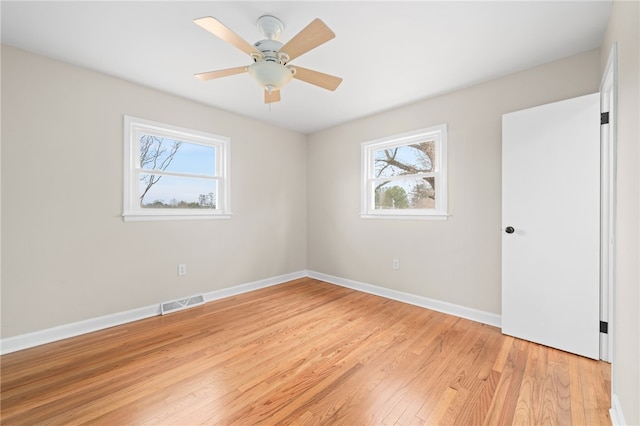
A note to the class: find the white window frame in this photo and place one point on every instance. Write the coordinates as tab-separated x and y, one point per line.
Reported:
437	134
133	128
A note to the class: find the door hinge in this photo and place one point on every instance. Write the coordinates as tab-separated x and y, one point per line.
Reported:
604	117
604	327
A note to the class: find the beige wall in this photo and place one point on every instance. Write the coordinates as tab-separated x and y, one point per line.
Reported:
457	260
68	255
623	29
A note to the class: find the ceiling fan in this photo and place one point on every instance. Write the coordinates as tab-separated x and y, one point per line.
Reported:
270	67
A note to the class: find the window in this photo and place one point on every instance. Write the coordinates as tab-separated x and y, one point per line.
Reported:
174	173
404	176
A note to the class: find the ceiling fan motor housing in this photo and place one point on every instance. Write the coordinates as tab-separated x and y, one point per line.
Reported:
269	49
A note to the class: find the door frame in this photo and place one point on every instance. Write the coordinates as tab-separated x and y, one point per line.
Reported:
608	170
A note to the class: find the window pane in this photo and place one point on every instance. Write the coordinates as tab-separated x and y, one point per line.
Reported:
405	194
158	153
405	160
177	192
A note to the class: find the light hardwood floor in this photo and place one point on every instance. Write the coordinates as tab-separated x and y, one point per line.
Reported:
304	352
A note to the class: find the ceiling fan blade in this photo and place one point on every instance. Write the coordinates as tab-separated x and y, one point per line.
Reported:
220	30
317	78
311	36
220	73
272	97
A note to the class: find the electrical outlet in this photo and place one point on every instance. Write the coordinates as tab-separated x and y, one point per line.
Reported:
395	264
182	269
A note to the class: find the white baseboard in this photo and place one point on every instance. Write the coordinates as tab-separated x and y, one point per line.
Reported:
36	338
424	302
615	412
256	285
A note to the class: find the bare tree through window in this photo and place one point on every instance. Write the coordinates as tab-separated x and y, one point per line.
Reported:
403	160
155	154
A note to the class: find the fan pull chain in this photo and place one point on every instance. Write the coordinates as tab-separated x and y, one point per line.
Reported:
269	90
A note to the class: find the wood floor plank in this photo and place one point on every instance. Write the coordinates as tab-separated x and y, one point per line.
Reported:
576	388
530	391
303	352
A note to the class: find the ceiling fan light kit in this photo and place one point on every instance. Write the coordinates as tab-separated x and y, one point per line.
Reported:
271	75
270	67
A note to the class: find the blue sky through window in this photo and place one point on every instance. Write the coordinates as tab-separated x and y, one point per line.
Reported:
190	158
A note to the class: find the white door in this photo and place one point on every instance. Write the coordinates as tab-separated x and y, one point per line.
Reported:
551	224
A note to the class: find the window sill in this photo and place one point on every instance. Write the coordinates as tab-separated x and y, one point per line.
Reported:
158	217
434	216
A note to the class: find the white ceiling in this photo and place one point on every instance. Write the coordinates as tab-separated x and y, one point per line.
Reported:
388	53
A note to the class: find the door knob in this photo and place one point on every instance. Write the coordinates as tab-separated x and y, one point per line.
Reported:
509	230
